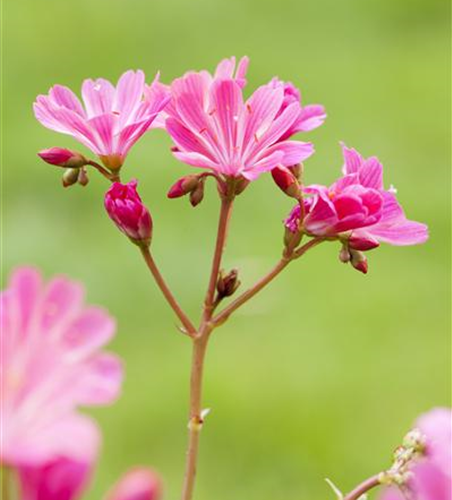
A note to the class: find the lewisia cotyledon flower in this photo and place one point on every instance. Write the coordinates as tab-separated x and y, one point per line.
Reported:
112	118
358	208
214	127
52	363
431	475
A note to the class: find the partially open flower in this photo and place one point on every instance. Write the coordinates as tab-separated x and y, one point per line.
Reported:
127	211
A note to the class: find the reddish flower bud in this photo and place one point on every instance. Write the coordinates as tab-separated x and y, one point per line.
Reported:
127	211
197	194
286	181
362	243
63	157
227	283
183	186
358	261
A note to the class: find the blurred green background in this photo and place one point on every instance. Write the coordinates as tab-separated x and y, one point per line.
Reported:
322	374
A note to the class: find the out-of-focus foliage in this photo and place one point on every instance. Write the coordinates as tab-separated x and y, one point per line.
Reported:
320	375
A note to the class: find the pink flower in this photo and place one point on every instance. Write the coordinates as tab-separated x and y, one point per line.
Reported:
137	484
127	211
52	364
213	126
431	477
357	208
112	119
62	157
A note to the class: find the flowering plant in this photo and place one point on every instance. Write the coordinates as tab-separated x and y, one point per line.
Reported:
233	140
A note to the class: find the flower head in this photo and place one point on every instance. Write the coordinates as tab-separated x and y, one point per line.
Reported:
127	211
52	364
357	208
430	474
214	127
111	120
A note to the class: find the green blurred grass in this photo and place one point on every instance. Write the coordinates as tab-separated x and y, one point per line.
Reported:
319	376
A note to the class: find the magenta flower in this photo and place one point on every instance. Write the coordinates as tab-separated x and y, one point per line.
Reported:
357	208
213	127
431	475
66	479
112	119
52	364
127	211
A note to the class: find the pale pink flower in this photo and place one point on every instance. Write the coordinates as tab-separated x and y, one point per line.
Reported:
213	127
357	207
127	211
431	475
111	120
52	363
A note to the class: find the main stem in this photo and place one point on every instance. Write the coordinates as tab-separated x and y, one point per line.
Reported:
200	342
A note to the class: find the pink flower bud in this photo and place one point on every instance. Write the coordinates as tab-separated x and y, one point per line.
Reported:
127	211
359	261
183	186
362	243
137	484
286	181
63	157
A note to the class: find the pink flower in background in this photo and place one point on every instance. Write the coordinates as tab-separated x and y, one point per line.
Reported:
357	207
213	127
66	479
137	484
52	363
127	211
111	120
431	477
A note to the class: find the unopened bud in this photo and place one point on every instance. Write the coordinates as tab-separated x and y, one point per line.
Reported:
127	211
297	171
359	261
183	186
197	194
344	254
227	283
82	177
286	181
70	177
240	185
363	242
62	157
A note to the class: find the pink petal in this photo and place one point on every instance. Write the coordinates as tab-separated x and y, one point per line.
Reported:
77	127
225	69
130	135
46	113
311	117
227	103
400	233
185	139
64	97
98	96
62	300
371	173
265	164
242	68
262	108
294	152
352	160
105	125
196	160
100	381
321	217
89	331
430	483
129	94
